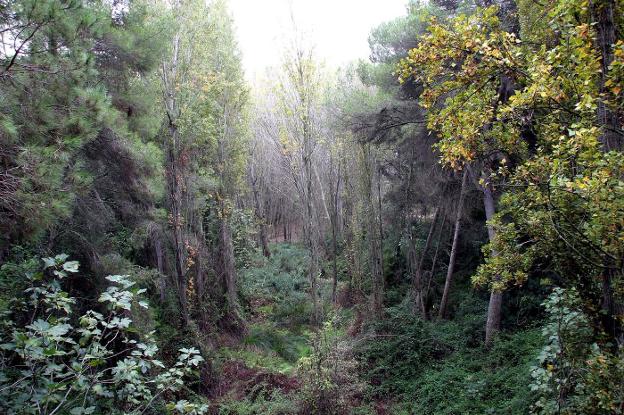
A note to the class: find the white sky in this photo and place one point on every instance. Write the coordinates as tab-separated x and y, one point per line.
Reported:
338	29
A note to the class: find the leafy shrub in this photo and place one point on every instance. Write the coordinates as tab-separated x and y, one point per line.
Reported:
276	404
284	343
478	380
54	361
575	375
331	384
441	367
395	350
283	283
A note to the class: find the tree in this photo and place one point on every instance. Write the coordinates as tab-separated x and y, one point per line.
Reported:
454	246
468	70
294	131
204	97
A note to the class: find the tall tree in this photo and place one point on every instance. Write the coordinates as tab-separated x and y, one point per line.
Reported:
454	245
204	97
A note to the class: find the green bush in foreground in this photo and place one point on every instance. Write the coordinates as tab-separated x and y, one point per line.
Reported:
53	361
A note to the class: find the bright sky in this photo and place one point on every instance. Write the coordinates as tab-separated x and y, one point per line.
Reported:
338	29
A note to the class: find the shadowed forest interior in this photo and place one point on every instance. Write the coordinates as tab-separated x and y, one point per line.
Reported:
434	228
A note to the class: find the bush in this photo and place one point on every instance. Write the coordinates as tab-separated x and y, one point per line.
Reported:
395	350
285	344
441	367
331	384
55	361
573	374
282	283
275	404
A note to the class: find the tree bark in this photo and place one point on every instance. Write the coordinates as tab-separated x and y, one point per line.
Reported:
262	230
417	264
175	175
492	325
225	246
380	275
310	237
334	263
227	268
309	229
604	15
162	282
452	259
334	187
374	232
434	262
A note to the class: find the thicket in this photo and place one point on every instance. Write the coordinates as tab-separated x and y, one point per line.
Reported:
437	229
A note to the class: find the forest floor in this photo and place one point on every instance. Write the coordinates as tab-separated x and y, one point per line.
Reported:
260	373
401	365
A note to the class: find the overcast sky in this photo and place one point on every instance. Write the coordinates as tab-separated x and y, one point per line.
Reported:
337	28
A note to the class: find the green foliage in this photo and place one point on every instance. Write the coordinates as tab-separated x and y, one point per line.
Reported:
331	382
275	404
574	375
540	114
56	100
282	283
55	361
479	381
284	343
395	350
422	364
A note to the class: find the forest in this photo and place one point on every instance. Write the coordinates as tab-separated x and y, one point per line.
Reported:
436	229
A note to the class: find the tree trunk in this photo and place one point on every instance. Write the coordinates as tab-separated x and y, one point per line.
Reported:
175	174
334	187
374	232
162	281
452	259
380	276
417	270
309	229
262	230
434	262
227	268
604	15
492	326
200	286
310	237
334	264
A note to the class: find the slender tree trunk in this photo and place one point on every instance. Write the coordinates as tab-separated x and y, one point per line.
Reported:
321	191
162	282
492	325
227	268
434	262
309	229
226	248
175	173
604	15
334	264
382	284
417	264
452	259
200	286
374	233
178	236
334	187
312	246
262	230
